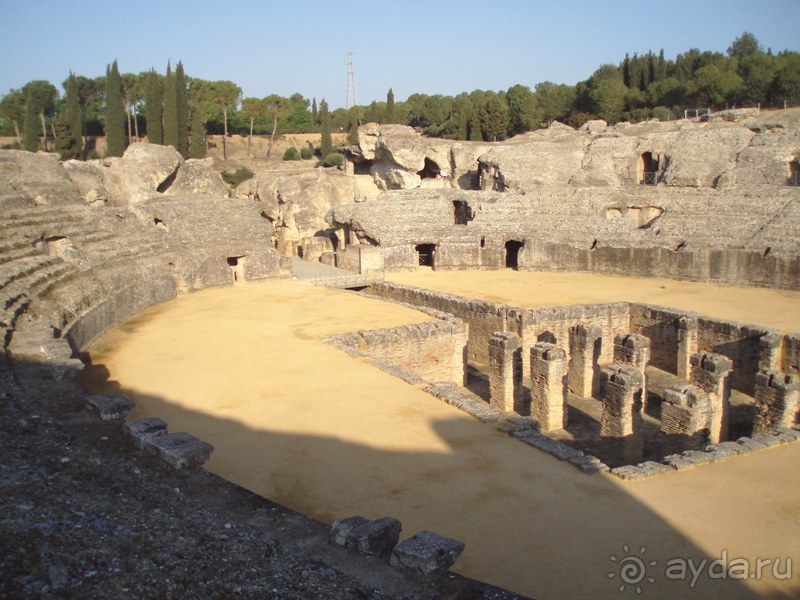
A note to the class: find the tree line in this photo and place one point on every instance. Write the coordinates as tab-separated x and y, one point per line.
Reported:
179	110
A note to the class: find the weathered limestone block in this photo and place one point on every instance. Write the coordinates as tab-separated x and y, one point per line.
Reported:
427	553
375	538
710	373
687	345
584	353
388	176
621	419
89	180
110	407
505	371
685	415
179	449
634	350
141	430
549	386
34	179
314	247
777	401
197	176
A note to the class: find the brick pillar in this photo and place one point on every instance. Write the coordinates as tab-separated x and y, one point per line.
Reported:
634	350
710	372
505	372
621	420
687	345
777	401
770	350
685	415
583	377
548	386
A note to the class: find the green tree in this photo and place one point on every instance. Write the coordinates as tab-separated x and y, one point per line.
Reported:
132	96
12	107
70	125
30	138
42	95
555	101
154	107
743	46
475	133
276	108
197	139
314	115
182	103
114	112
606	93
786	86
352	136
391	115
757	72
226	95
494	118
714	87
170	110
523	112
326	142
90	97
252	108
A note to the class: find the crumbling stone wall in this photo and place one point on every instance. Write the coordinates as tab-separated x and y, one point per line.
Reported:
484	318
433	351
548	386
777	401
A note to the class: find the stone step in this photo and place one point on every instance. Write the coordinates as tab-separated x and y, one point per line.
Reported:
47	279
17	270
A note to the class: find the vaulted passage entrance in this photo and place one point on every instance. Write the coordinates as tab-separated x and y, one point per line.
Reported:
512	253
426	254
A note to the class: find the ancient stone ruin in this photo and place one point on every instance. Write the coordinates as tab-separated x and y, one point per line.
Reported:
627	387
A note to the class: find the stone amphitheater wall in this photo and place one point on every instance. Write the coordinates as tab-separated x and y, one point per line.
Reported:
739	267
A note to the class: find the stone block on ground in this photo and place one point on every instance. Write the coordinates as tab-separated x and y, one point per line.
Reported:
179	449
109	407
342	530
376	538
140	430
427	553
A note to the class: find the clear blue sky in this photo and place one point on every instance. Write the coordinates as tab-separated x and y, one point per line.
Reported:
412	46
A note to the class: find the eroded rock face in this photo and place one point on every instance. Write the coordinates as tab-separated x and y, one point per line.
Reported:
28	179
296	203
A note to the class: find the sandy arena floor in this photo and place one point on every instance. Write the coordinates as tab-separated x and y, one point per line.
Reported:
307	426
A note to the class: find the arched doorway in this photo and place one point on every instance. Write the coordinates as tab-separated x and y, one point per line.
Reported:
512	253
426	254
648	169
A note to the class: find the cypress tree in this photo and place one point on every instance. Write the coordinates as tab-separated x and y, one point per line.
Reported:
154	108
69	124
326	143
182	101
390	112
30	135
114	115
170	110
314	114
463	126
197	142
352	136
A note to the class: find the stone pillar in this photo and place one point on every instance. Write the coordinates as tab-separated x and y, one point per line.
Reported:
687	345
621	420
583	378
777	401
770	350
685	415
634	350
710	372
505	372
548	386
